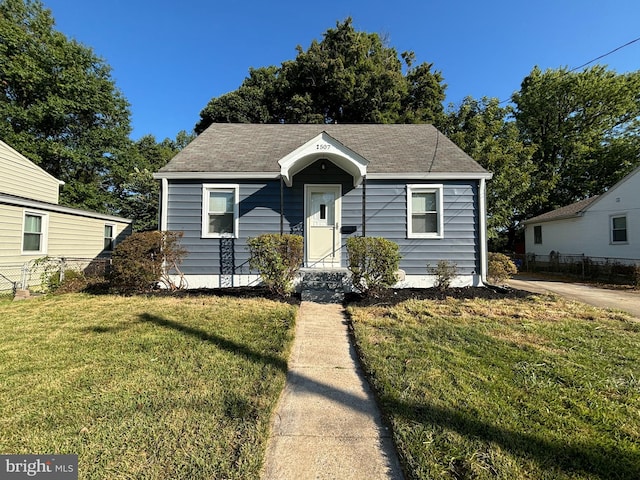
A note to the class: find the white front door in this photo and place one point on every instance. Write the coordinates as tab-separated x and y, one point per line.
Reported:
323	216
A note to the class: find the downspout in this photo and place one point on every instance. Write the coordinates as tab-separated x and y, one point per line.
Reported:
364	206
164	200
484	256
281	205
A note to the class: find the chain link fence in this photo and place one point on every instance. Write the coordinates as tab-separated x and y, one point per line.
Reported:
605	269
39	275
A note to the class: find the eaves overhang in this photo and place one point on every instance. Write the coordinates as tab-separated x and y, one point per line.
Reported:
320	147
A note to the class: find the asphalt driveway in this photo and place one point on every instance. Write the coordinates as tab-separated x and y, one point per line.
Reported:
626	300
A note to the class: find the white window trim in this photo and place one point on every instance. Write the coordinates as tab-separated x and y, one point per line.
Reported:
44	240
426	188
618	215
212	187
114	235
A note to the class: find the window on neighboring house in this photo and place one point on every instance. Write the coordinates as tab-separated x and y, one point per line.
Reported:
619	229
537	234
34	233
424	211
109	237
220	211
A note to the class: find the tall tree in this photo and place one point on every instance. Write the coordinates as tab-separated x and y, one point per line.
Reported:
584	127
347	77
59	105
487	133
138	192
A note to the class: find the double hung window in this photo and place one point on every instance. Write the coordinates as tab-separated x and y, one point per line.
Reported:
220	211
34	233
424	211
109	237
619	229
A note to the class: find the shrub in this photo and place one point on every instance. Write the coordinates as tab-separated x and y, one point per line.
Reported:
373	262
49	268
445	272
139	261
57	276
278	259
501	267
74	281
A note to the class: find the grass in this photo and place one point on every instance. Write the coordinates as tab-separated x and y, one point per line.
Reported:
141	387
536	388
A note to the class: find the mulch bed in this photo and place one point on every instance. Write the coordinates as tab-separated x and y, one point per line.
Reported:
386	297
395	296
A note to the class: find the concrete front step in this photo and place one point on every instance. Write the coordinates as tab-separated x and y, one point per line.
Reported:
322	296
323	286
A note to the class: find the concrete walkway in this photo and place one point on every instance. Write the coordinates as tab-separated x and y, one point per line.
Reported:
327	424
628	301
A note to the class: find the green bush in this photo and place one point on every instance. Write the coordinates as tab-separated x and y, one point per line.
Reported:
445	272
501	267
138	262
373	262
74	281
278	259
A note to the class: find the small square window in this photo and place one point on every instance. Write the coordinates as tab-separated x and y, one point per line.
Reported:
537	234
619	229
220	211
424	211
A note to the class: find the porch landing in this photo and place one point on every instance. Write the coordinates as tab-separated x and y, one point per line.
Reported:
324	285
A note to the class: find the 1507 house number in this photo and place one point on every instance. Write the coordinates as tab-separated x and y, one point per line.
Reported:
323	146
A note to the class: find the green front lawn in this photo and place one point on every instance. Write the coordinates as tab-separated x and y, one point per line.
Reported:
536	388
140	387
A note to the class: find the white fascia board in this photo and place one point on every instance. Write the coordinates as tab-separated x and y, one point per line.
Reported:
430	176
323	145
612	189
215	175
52	207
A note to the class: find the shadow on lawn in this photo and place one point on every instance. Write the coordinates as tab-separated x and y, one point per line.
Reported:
294	379
590	459
217	340
605	462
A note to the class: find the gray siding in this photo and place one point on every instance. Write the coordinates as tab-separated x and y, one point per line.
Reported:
259	213
386	217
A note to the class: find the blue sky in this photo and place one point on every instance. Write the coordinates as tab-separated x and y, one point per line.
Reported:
170	58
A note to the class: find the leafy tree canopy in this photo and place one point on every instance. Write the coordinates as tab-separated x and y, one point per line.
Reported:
347	77
584	127
59	105
487	133
137	191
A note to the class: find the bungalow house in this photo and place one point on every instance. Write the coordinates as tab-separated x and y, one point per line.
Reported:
607	225
407	183
33	225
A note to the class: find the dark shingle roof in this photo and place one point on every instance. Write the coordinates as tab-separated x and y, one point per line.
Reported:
228	147
572	210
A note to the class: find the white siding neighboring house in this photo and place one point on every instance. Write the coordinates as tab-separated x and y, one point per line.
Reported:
607	225
34	225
